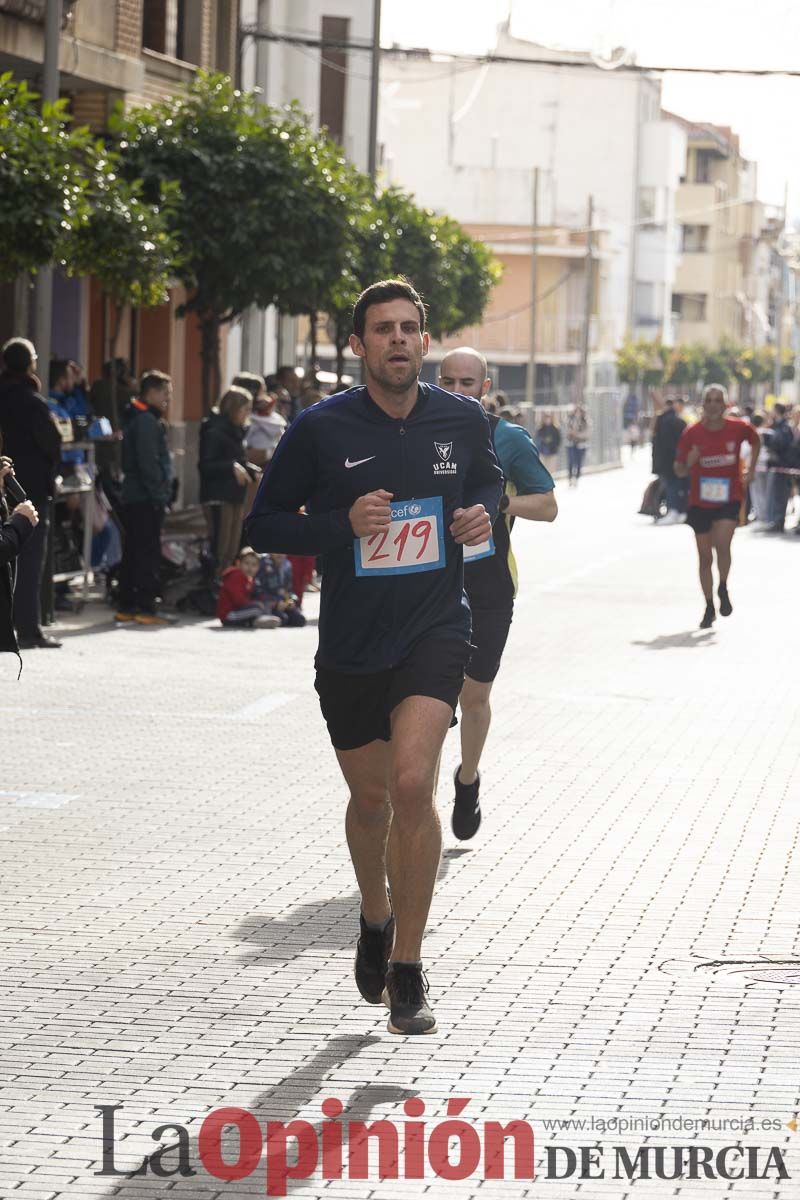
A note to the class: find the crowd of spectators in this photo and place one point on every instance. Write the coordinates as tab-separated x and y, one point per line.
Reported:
134	486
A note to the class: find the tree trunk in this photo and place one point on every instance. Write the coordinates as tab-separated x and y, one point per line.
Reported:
313	339
209	331
340	360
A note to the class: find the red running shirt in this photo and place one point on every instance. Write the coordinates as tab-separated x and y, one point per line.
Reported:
717	478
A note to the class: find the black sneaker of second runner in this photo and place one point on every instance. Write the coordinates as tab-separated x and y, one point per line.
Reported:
372	958
406	998
709	616
466	818
725	606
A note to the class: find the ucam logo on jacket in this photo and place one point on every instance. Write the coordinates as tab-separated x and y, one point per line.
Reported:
380	595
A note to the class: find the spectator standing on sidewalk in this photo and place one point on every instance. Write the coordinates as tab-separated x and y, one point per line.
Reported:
266	427
146	492
577	441
758	488
32	441
15	531
548	440
669	426
225	473
780	454
291	382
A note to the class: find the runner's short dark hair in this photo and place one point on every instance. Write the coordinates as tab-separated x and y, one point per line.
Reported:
380	293
153	381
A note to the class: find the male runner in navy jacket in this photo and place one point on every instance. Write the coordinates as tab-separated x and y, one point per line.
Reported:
395	478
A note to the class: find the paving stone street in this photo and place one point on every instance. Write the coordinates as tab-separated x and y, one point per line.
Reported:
618	943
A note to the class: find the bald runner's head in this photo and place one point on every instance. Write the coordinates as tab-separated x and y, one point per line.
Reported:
465	371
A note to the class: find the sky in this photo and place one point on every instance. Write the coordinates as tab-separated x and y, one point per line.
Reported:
706	33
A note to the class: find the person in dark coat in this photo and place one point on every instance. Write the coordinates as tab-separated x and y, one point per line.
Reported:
31	439
146	492
225	473
15	531
667	432
548	441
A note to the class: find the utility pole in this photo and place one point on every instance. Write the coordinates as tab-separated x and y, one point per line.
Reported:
375	79
781	305
530	378
44	278
583	377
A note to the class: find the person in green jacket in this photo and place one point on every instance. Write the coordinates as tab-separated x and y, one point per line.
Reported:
146	492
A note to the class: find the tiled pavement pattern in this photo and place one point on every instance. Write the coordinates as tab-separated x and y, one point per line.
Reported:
179	912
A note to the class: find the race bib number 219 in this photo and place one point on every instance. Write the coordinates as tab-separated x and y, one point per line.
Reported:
414	541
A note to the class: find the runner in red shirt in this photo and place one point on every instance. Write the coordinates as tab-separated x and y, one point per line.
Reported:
709	453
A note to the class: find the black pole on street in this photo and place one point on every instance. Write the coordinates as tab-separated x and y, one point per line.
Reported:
374	89
44	277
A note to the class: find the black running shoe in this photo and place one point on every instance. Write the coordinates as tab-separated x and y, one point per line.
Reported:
405	997
372	957
709	616
725	606
466	818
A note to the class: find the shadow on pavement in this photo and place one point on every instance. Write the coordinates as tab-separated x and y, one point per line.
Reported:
332	924
290	1096
691	640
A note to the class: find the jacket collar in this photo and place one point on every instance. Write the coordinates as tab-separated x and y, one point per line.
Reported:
376	413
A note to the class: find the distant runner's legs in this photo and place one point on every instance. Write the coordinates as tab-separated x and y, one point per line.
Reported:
722	535
705	555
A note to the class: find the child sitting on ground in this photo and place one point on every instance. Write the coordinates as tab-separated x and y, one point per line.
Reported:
274	589
237	604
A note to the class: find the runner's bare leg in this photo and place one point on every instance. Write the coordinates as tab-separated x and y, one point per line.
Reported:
476	717
369	815
722	535
419	726
706	561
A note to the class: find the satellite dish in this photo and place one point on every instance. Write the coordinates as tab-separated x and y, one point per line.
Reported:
610	59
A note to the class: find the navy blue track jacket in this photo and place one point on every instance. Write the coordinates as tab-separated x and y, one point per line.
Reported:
340	449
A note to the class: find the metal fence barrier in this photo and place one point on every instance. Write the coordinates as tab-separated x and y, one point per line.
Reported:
604	410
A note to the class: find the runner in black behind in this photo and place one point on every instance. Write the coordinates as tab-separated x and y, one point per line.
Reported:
491	579
395	478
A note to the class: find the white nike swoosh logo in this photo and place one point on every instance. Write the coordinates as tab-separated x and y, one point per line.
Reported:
348	464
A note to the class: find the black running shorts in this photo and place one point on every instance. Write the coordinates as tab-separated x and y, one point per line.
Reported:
701	519
358	708
490	628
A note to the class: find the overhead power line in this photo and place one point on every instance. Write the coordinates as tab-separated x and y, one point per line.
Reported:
477	60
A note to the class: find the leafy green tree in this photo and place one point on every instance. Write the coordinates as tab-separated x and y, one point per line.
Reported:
453	272
43	178
686	364
262	198
643	361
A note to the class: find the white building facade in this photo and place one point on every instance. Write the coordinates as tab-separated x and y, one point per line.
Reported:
464	140
333	86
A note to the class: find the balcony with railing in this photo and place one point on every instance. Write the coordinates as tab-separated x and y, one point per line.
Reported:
557	336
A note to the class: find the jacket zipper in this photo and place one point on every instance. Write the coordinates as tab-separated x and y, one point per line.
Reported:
402	496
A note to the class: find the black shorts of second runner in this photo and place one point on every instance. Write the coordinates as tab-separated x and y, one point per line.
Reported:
358	708
490	628
701	519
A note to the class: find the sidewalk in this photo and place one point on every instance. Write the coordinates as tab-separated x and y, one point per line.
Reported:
619	941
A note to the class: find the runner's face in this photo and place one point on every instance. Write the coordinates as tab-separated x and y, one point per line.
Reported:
463	373
713	408
393	345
